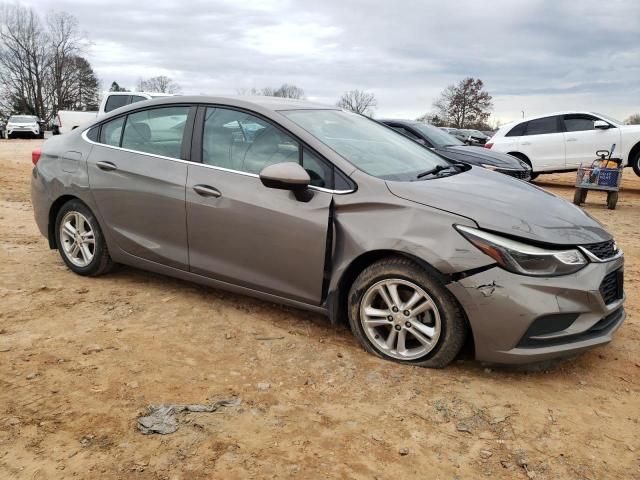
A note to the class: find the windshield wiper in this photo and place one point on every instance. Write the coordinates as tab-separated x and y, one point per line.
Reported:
439	168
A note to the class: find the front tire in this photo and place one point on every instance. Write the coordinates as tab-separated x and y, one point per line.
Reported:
400	312
80	241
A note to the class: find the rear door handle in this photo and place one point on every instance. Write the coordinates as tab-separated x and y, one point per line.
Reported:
106	166
207	191
572	139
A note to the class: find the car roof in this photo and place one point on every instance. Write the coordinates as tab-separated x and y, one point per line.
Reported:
257	103
552	114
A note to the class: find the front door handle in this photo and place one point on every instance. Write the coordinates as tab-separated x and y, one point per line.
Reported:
207	191
572	139
106	166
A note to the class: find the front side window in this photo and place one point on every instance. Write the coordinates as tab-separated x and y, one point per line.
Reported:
366	144
111	132
115	101
578	123
240	141
542	126
158	131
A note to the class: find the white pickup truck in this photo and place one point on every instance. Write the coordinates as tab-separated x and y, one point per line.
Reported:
67	120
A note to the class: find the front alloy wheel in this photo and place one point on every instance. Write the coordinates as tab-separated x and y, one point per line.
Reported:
401	311
400	319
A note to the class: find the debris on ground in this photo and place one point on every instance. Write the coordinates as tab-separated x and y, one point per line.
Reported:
162	418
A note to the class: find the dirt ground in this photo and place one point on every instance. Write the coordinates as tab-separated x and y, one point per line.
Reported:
81	358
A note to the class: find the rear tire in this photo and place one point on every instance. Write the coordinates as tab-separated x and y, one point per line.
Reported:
428	332
635	164
80	241
612	200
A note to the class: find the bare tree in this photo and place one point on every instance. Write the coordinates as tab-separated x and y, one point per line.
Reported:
41	69
284	91
24	59
358	101
464	104
159	84
633	119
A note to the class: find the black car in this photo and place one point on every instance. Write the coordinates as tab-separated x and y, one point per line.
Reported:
453	149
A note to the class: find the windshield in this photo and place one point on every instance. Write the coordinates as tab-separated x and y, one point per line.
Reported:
22	119
438	138
608	118
369	146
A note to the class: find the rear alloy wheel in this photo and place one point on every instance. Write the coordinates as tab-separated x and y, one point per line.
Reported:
400	312
80	240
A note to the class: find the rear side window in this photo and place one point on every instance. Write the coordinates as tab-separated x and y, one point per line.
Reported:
541	126
115	101
578	123
111	132
158	131
517	131
93	134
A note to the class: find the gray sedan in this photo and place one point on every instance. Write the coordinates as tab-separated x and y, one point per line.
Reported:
326	210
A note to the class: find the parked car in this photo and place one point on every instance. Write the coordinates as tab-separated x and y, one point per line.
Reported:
332	212
67	120
453	149
560	142
24	126
473	137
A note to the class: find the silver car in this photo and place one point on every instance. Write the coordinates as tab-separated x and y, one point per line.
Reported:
326	210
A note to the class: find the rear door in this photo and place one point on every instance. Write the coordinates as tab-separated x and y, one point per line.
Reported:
137	175
242	232
543	143
583	140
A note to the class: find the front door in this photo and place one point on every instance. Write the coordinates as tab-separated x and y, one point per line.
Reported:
138	181
242	232
583	140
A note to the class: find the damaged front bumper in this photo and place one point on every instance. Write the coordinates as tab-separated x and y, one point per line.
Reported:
518	319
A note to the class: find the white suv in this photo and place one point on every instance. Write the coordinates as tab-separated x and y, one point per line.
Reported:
562	141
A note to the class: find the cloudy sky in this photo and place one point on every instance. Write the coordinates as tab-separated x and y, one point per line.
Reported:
536	56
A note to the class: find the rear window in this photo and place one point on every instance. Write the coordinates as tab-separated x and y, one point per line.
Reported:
517	131
115	101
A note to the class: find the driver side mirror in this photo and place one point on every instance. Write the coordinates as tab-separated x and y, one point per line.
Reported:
600	125
285	176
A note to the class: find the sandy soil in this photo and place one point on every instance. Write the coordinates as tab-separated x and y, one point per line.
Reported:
81	358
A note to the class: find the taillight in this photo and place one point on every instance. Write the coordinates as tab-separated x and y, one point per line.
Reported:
35	155
488	145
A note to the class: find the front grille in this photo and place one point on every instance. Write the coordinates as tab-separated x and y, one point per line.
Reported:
521	174
602	250
612	286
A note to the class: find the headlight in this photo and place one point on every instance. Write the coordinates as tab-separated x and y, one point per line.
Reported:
518	257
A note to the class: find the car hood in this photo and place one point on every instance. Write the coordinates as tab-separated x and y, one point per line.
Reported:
502	204
480	155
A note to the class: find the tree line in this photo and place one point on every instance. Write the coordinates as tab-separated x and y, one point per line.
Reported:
42	67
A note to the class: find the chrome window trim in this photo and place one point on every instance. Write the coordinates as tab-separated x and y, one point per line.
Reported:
222	169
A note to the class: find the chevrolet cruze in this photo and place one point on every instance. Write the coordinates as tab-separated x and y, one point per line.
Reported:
326	210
